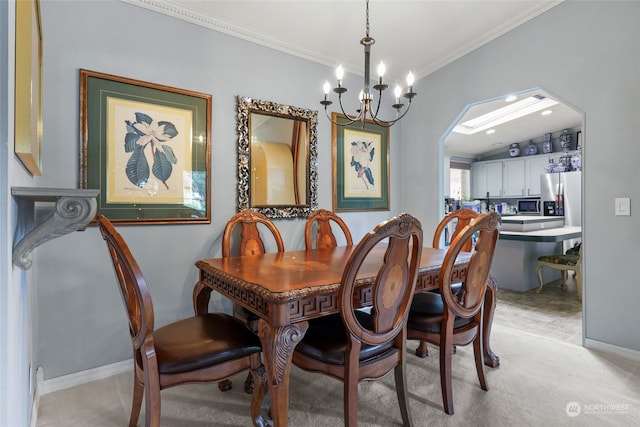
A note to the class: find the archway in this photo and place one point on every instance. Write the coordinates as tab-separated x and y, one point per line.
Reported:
467	142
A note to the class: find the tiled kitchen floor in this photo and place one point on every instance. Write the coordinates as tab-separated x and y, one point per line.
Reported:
554	312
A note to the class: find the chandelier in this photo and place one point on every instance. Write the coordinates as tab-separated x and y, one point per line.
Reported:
366	98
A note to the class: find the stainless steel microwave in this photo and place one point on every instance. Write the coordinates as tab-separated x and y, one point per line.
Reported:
529	207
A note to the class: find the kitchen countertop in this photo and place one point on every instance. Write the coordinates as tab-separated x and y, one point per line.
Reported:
528	223
526	219
545	235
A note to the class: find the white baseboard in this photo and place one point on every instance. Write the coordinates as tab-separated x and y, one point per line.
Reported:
82	377
612	349
35	404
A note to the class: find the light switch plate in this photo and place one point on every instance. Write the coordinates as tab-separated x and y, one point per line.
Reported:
623	206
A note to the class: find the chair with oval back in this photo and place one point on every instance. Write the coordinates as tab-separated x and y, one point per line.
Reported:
250	242
447	319
459	219
355	345
202	348
324	237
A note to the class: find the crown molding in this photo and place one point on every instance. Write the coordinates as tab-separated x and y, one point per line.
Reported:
170	8
189	15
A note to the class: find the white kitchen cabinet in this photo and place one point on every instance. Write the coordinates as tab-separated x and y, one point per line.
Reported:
514	183
516	177
535	166
486	177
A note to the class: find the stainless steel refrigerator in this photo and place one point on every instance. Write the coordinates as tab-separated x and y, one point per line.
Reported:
561	194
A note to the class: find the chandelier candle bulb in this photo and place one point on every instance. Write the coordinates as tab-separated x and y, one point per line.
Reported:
410	80
339	74
381	70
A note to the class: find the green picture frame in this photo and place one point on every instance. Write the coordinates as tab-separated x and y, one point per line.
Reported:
360	165
147	148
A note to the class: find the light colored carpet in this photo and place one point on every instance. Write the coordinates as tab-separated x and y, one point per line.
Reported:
538	379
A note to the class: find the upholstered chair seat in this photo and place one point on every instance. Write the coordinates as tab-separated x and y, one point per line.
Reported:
326	339
570	261
202	341
427	310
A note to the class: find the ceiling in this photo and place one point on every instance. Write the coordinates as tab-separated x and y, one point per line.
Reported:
532	126
421	36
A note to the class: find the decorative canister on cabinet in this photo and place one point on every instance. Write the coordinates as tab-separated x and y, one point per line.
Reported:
565	159
514	150
547	147
551	168
565	139
530	149
576	160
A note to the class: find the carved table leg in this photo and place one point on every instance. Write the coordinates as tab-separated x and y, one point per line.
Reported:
278	343
260	380
490	358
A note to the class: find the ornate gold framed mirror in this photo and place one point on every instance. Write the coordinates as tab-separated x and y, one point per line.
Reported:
277	158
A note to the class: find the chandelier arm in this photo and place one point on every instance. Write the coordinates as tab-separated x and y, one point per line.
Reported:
349	116
335	123
350	121
388	124
373	116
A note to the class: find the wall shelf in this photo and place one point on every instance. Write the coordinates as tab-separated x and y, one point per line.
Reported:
72	210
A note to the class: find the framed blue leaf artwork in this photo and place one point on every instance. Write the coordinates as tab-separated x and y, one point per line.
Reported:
146	147
360	165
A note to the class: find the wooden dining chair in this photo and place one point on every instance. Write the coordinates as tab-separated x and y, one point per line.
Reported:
448	319
249	242
241	236
203	348
355	345
458	220
320	221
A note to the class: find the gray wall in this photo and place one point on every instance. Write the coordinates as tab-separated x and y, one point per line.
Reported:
588	54
15	285
571	51
80	320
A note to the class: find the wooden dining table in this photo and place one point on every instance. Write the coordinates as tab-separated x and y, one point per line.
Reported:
286	289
